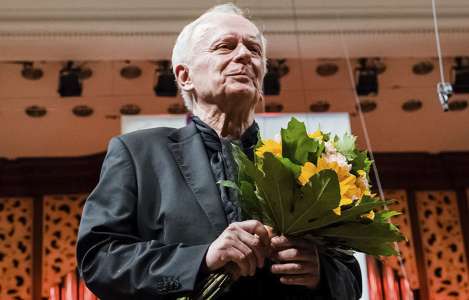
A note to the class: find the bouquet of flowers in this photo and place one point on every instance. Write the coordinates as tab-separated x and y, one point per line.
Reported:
311	185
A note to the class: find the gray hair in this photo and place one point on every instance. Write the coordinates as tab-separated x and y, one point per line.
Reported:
182	50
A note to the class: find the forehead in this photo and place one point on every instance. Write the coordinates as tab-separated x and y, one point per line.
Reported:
216	26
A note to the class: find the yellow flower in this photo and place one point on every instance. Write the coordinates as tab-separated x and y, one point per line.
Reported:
362	173
349	191
270	146
362	183
316	135
307	170
369	216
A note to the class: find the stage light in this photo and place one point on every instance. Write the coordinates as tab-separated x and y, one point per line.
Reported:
367	76
130	109
457	105
276	68
130	71
30	72
367	106
327	69
82	111
177	109
165	81
70	82
273	107
36	111
461	75
319	106
412	105
423	68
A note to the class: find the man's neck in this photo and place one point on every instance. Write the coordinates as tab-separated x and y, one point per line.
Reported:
227	124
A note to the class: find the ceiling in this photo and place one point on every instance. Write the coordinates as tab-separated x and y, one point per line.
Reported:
146	29
105	34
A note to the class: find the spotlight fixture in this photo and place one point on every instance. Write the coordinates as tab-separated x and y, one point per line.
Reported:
327	69
367	76
36	111
460	73
276	68
70	83
30	72
273	107
131	71
177	109
82	111
422	68
130	109
412	105
165	81
85	73
367	105
457	105
319	106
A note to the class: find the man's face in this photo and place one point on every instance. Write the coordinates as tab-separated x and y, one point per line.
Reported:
227	60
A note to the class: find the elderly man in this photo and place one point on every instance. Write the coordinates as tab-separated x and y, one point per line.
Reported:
156	224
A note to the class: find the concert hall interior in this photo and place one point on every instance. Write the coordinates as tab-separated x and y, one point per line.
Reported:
72	73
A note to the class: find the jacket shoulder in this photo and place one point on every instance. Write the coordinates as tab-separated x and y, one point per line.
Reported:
138	137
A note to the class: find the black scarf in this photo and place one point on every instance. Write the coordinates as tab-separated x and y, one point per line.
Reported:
222	162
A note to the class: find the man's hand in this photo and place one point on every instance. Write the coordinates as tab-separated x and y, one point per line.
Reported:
297	261
246	244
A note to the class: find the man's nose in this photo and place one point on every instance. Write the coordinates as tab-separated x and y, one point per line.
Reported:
243	54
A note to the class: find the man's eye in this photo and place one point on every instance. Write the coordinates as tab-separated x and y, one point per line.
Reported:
225	47
256	50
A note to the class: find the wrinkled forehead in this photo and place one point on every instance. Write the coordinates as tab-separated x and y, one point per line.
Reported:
217	25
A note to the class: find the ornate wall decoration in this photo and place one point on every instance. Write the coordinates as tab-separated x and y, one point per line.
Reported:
16	219
406	247
443	245
61	217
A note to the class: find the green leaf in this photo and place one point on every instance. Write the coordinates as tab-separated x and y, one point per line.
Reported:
294	168
250	204
250	173
228	184
361	161
368	238
296	144
349	215
278	187
320	195
384	216
346	146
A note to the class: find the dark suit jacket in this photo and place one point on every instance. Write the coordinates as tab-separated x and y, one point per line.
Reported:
148	223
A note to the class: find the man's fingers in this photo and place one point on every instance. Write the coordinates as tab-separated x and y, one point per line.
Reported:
256	227
296	268
238	257
310	281
282	242
255	244
248	255
294	254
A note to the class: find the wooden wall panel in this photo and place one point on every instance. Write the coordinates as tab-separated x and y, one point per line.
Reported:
442	240
406	247
61	217
16	219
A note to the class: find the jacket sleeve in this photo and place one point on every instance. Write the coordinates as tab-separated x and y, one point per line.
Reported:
113	259
340	276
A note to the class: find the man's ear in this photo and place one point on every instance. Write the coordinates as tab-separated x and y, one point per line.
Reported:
183	78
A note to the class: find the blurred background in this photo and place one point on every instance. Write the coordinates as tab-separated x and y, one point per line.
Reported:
69	72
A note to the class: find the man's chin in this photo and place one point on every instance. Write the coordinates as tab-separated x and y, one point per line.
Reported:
240	91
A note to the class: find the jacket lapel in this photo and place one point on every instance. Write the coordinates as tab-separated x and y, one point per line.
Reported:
191	157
